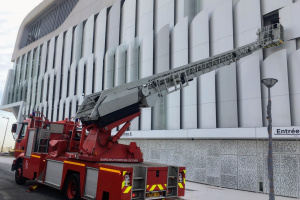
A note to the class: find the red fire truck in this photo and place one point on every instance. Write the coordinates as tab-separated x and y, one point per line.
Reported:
85	160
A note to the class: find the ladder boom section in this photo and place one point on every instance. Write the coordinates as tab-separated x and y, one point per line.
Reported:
110	105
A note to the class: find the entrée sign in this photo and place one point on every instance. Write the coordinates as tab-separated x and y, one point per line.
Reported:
286	131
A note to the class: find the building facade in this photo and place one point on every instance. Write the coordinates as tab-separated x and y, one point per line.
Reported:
68	49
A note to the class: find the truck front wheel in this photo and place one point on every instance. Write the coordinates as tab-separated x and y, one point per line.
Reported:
20	180
72	187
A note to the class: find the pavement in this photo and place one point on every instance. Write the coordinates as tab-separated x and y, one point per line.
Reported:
9	190
196	191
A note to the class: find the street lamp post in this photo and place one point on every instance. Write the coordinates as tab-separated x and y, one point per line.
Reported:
4	133
270	82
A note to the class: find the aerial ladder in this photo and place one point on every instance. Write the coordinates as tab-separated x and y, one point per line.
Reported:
122	104
85	160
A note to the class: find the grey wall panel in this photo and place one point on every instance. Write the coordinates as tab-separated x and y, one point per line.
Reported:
199	49
68	107
73	80
41	73
132	71
144	17
268	6
55	110
35	78
100	36
66	61
89	75
58	73
50	53
164	14
275	66
294	86
98	75
128	21
45	87
100	33
88	35
186	8
50	93
161	63
113	26
61	108
120	70
18	80
7	87
146	69
80	78
221	37
108	78
77	43
11	95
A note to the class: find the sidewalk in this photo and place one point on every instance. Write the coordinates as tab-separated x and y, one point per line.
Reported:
195	191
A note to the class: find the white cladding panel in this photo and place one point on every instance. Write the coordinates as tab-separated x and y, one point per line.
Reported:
268	6
294	85
128	21
164	14
221	37
77	43
161	63
275	66
113	26
146	69
289	16
88	35
199	49
245	27
249	93
144	17
179	57
248	69
289	46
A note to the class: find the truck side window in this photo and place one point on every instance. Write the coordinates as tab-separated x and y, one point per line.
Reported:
23	131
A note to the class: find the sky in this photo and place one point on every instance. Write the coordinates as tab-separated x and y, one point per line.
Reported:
12	13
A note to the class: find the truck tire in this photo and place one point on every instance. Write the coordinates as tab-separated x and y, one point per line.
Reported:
72	187
20	180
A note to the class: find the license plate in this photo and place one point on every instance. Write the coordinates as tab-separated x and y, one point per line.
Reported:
153	194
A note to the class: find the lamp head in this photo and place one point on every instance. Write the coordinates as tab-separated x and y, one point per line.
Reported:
269	82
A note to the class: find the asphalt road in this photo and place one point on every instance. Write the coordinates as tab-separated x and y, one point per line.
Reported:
9	190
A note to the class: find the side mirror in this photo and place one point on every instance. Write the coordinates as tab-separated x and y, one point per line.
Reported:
14	128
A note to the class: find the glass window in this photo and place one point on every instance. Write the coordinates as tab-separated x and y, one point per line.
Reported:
23	131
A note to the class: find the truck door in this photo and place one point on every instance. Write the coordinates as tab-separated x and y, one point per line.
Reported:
21	140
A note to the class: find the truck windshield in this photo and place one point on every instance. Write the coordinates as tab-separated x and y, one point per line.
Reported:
23	131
